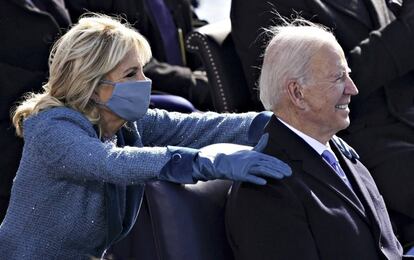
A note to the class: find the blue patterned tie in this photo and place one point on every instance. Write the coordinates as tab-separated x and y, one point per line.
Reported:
330	158
168	30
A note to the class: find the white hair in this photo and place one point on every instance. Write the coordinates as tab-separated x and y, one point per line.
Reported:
287	57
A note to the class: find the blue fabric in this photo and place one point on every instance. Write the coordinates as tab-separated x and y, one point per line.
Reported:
74	195
168	30
130	100
257	126
181	163
121	203
330	158
410	252
172	103
244	165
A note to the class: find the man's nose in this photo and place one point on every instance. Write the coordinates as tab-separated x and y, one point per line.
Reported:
350	87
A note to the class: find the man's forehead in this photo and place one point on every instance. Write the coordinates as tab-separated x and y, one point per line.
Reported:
328	60
341	65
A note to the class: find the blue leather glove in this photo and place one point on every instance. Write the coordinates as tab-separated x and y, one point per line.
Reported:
245	165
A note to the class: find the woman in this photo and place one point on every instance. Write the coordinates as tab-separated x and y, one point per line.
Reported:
91	143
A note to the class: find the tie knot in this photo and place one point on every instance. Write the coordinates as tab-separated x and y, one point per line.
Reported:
331	159
327	155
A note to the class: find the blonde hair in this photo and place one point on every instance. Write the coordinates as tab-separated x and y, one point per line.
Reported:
288	56
78	61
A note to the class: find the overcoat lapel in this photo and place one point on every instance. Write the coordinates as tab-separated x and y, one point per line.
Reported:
311	163
353	170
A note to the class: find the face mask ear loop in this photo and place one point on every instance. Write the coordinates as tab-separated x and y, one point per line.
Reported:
96	101
99	103
104	81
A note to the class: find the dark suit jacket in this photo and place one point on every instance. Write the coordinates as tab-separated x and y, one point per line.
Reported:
27	36
312	214
380	53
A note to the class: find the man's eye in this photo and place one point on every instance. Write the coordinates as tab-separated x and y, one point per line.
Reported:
341	76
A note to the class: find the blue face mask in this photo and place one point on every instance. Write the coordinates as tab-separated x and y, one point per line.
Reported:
130	100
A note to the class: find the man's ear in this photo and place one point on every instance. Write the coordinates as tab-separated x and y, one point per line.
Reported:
295	93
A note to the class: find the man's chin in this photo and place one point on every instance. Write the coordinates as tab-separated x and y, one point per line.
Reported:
345	123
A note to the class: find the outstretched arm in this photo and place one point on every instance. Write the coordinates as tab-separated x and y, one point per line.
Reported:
65	142
196	130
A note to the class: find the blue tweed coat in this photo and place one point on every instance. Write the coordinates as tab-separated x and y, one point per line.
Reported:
74	195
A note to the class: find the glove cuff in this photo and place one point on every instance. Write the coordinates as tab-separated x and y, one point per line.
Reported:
179	168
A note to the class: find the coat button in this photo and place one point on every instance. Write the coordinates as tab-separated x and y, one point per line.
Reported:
176	157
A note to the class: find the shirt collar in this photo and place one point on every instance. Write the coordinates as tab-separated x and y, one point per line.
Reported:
315	144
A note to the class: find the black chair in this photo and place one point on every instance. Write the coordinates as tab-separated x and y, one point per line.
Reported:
214	45
179	222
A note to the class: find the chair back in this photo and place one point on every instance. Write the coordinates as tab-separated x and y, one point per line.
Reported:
179	222
214	45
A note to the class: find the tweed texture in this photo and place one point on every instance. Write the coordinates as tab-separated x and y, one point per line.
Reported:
59	203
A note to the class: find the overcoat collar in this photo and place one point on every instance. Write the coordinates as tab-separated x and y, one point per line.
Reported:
297	151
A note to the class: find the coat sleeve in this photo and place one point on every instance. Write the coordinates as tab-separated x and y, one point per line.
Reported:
396	59
195	130
268	222
67	148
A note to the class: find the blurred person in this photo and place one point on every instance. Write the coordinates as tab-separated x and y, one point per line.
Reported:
91	143
377	37
330	208
195	3
29	32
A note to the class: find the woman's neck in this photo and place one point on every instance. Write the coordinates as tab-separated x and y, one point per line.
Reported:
110	124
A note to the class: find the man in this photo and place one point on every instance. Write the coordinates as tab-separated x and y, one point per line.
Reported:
378	39
330	208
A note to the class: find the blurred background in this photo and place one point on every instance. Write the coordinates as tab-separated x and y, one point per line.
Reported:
213	10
